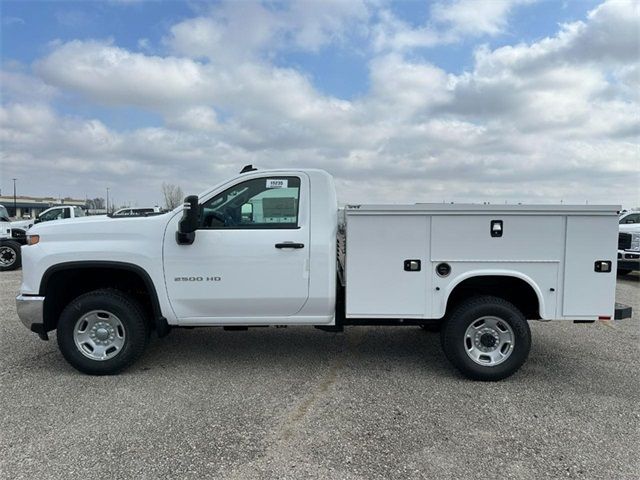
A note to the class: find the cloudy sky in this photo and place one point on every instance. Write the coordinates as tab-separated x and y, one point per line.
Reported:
450	100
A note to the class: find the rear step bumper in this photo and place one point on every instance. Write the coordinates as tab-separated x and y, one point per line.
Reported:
622	311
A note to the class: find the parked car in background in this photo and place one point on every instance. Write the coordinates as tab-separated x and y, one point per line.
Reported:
629	247
137	211
630	217
10	257
54	213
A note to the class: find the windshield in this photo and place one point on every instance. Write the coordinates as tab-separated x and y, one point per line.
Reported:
4	215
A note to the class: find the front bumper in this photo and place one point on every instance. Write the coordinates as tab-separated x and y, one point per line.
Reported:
30	311
628	260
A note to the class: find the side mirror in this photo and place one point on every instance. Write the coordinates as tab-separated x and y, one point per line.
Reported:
188	224
37	220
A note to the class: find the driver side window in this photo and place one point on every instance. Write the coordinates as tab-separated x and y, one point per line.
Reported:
267	202
54	214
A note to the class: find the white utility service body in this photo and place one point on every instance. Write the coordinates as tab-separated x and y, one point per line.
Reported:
552	248
260	249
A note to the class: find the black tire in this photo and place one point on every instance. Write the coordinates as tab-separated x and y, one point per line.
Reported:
129	313
623	271
11	256
455	345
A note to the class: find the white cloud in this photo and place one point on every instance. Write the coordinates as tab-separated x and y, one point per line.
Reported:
17	84
116	76
392	34
237	31
475	17
449	22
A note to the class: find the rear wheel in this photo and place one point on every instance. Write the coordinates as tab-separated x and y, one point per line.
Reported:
10	255
102	332
486	338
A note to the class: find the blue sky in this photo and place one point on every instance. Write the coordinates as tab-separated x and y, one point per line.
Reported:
390	87
29	27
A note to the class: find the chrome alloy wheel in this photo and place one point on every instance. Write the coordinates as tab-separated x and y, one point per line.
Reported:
489	341
7	256
99	335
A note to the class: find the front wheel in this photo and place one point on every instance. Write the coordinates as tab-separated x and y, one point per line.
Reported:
10	256
486	338
102	332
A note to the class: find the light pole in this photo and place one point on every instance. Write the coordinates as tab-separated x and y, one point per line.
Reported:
107	200
15	209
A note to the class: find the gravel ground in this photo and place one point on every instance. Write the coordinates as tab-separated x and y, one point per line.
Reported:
373	402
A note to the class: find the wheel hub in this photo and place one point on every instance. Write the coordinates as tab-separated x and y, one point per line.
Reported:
489	341
99	335
7	256
102	333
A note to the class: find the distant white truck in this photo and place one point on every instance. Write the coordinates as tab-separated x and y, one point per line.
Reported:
59	212
14	232
260	249
10	258
137	211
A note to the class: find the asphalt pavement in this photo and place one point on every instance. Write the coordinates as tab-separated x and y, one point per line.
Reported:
370	403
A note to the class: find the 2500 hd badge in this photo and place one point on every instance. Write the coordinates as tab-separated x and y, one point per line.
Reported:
197	279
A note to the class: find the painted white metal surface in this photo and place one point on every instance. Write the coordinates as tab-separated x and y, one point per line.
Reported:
239	272
587	292
377	284
524	238
534	247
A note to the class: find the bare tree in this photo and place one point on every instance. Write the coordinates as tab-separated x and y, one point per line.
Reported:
173	195
95	203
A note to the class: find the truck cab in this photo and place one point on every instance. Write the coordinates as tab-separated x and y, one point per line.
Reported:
271	248
59	213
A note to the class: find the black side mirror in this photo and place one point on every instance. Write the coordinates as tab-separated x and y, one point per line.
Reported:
37	220
188	224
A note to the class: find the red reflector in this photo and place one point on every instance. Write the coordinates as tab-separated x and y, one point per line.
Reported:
601	317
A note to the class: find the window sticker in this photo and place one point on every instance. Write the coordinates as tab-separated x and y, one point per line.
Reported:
277	183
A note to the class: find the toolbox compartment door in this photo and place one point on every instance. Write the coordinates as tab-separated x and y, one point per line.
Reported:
378	247
588	293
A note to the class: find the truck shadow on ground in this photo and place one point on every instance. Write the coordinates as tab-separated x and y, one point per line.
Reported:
630	277
295	346
375	350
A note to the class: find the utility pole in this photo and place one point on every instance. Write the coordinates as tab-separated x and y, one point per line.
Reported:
107	200
15	209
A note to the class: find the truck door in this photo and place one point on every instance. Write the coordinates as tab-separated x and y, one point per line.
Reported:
250	256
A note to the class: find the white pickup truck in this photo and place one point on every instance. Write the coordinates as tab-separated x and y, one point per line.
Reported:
54	213
9	245
272	248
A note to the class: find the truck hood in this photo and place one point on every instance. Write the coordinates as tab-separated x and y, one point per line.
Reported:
23	224
99	227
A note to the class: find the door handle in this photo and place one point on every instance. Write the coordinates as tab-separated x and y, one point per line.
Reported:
289	245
